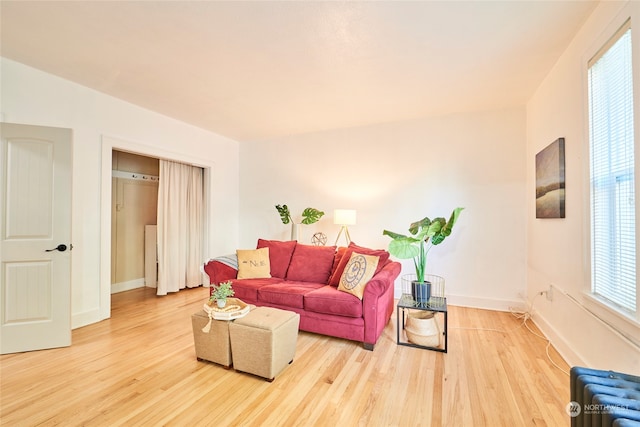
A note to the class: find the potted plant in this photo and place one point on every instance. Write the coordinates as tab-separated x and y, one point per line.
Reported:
221	292
424	234
309	216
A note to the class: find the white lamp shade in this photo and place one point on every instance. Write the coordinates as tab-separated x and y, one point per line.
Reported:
344	216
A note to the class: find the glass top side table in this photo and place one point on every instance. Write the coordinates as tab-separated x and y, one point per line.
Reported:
435	304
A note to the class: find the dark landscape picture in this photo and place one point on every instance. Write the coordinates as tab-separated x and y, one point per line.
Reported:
550	181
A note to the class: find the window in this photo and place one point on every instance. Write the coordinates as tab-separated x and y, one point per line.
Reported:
613	225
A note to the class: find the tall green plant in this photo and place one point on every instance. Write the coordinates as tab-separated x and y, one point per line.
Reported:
424	235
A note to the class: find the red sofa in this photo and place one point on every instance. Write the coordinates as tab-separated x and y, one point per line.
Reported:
305	279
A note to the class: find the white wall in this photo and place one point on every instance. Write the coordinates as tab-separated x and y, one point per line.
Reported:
397	173
558	248
392	174
101	123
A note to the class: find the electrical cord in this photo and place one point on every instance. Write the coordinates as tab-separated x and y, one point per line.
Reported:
528	315
524	316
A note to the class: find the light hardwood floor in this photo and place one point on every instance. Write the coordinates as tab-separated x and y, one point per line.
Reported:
139	369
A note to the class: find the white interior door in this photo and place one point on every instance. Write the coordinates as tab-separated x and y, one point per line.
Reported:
35	238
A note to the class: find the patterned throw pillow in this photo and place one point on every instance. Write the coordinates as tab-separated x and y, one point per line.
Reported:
357	273
253	263
334	280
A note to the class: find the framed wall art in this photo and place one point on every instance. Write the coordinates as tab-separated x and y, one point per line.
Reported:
550	184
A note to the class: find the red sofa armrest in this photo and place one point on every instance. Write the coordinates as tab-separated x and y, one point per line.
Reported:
378	301
219	271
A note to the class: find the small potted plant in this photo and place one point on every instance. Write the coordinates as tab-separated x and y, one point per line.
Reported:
221	292
424	235
309	216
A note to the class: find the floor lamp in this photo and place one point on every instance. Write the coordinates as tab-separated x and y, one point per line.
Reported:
344	217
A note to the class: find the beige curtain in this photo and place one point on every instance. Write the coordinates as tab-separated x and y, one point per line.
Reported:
180	227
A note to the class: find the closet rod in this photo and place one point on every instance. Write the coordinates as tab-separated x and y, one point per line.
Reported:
134	176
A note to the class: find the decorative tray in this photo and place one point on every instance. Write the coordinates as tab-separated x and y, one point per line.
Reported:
234	309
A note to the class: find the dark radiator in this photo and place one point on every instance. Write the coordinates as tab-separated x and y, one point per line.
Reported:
603	398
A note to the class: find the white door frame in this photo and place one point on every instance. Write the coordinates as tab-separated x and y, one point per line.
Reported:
110	143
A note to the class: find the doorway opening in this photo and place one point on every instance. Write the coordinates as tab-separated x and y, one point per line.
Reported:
114	275
134	212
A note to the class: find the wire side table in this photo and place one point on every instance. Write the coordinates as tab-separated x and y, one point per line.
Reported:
406	303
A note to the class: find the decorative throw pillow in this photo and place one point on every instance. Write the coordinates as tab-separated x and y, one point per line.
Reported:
311	263
253	263
334	280
336	261
357	273
279	255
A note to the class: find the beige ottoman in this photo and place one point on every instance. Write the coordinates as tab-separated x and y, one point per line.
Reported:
263	342
214	345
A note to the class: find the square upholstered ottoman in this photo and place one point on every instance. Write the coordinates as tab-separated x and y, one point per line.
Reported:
214	345
263	342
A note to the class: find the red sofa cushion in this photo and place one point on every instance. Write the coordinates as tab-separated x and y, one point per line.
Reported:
289	294
311	263
329	300
247	289
384	257
279	255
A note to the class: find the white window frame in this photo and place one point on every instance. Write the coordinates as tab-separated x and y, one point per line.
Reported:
625	323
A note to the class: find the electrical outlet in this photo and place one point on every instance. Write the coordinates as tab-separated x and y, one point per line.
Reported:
549	293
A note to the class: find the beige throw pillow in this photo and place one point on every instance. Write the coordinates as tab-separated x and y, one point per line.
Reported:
253	263
357	273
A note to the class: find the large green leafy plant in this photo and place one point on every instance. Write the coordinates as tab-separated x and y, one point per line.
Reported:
424	234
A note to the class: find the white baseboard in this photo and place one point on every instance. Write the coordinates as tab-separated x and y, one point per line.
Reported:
127	286
559	342
485	303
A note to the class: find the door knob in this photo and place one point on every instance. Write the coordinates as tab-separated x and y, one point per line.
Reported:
60	248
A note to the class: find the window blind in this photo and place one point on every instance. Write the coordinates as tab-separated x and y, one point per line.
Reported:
613	248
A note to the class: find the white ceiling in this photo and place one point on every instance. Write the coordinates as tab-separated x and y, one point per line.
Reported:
256	70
